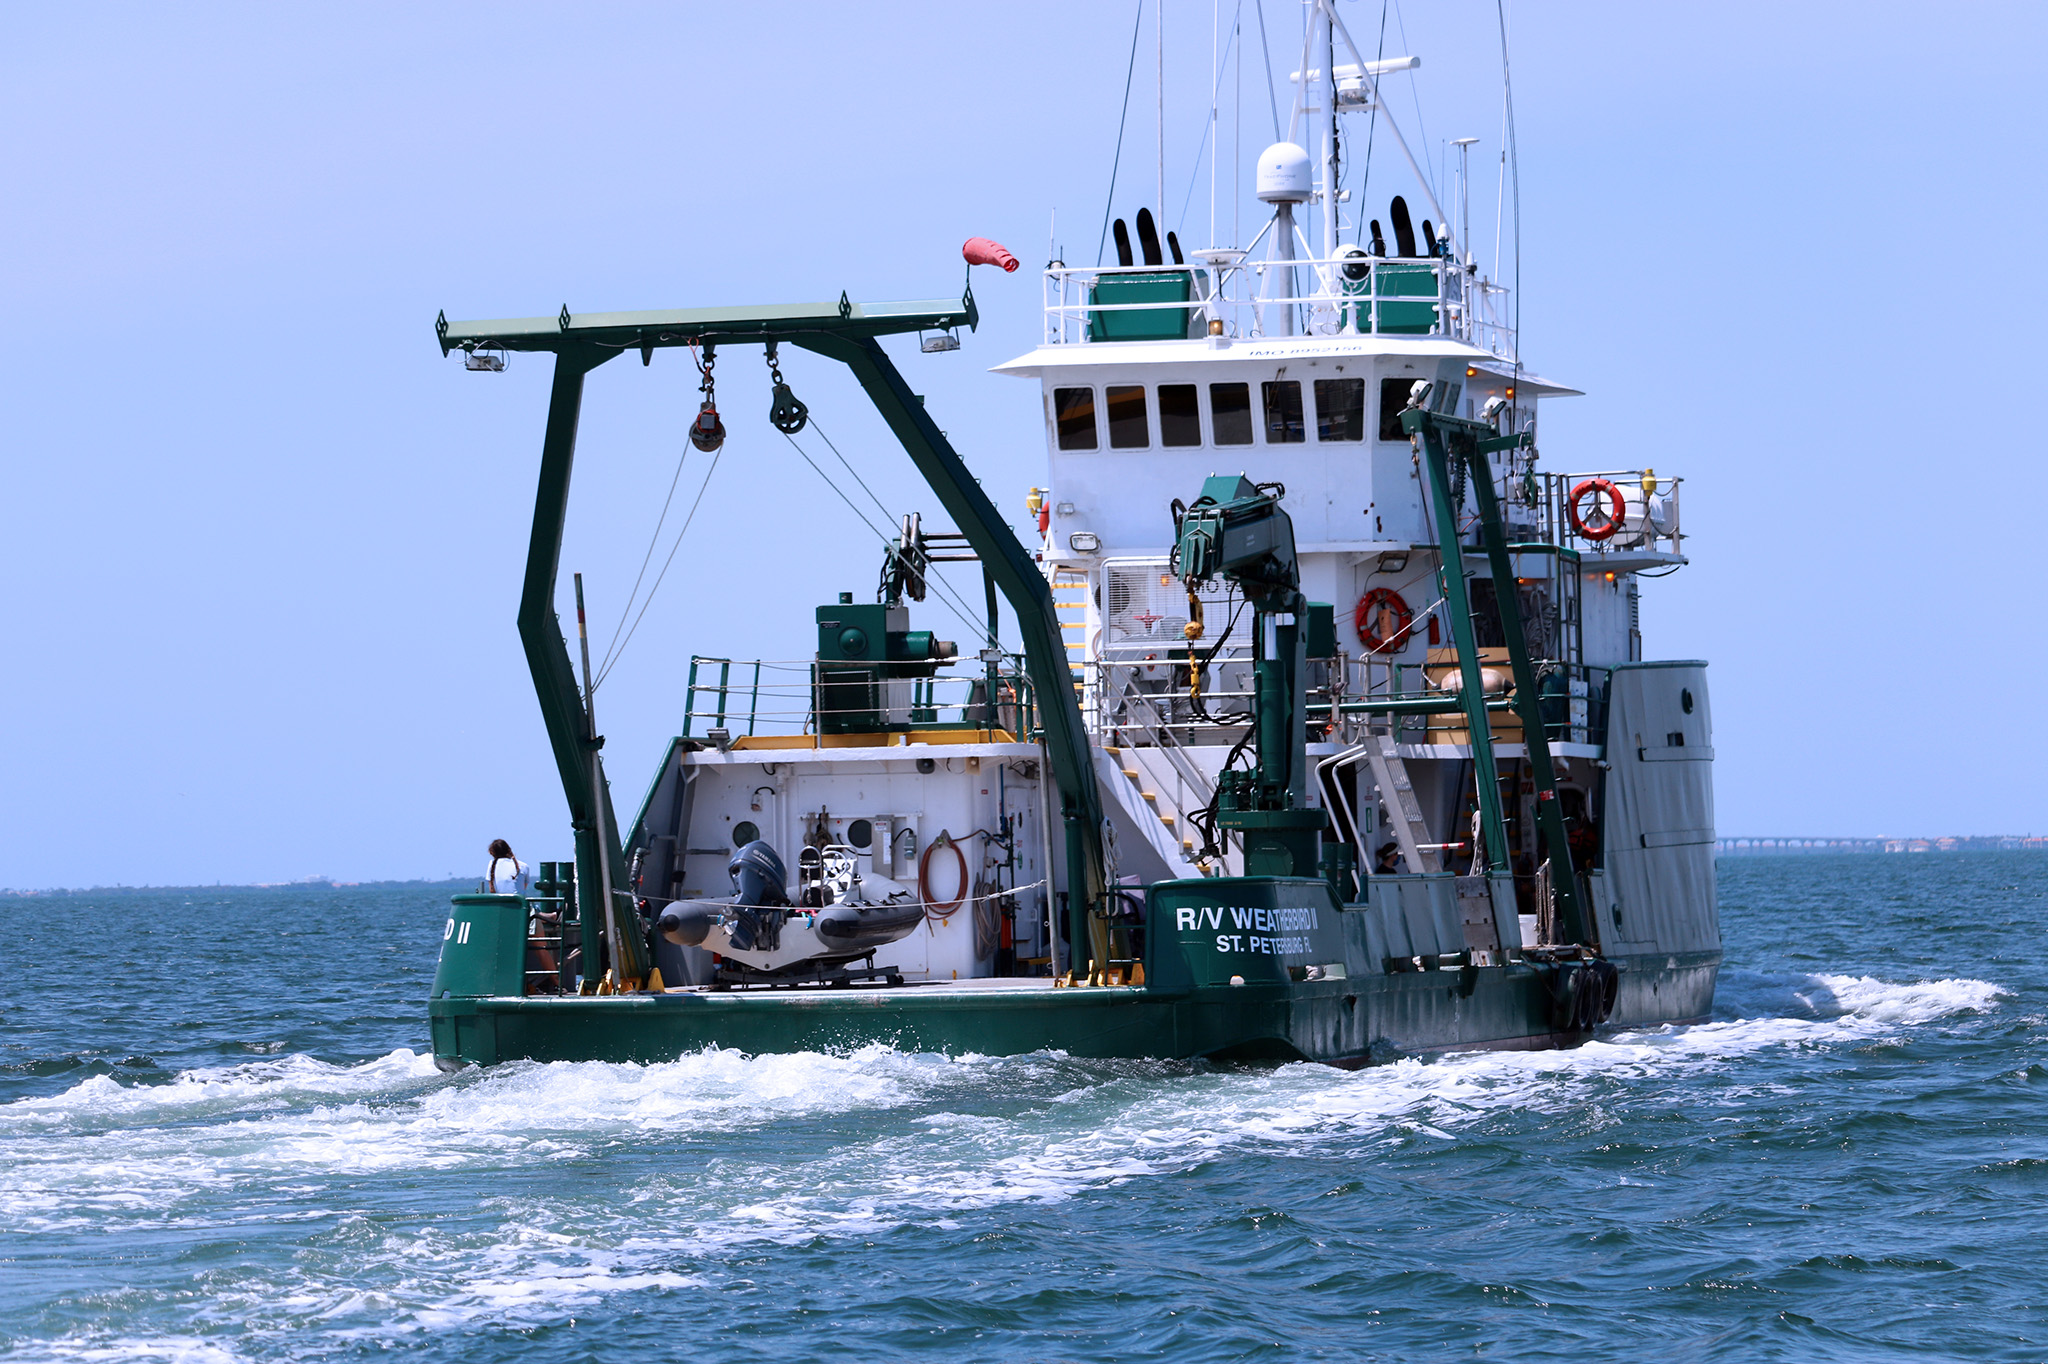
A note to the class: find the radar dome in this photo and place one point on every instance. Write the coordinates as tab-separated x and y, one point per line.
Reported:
1284	174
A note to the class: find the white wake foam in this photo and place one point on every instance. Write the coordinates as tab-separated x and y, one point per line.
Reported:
276	1140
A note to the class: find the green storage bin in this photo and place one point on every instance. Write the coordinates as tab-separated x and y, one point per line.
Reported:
1165	323
1401	282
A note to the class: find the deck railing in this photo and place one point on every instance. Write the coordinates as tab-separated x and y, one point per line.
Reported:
784	696
1649	521
1226	295
1572	698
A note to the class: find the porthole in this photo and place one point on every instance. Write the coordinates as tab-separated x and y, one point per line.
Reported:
744	832
1685	699
861	834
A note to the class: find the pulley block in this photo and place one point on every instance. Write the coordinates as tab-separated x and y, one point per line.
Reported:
787	412
707	432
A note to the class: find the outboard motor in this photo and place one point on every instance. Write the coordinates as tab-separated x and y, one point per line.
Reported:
758	876
759	894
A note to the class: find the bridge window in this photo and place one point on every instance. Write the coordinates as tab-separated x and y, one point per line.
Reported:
1125	404
1393	398
1283	412
1074	414
1230	413
1340	409
1180	415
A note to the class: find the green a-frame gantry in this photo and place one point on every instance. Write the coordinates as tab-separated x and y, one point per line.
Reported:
842	331
1444	437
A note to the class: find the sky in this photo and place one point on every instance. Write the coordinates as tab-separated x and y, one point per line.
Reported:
263	544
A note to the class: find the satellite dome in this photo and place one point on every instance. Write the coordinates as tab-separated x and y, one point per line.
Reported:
1284	174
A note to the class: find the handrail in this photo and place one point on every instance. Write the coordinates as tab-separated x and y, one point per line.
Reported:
1348	296
1159	730
794	705
1639	531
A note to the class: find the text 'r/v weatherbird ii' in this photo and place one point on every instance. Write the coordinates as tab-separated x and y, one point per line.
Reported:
1330	736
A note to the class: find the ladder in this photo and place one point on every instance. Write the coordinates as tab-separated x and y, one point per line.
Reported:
1070	602
1397	796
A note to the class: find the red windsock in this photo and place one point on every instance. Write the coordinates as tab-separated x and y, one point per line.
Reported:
982	251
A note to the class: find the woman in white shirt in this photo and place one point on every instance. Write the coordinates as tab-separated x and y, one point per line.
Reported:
507	875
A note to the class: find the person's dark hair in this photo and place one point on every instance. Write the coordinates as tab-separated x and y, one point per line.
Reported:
500	848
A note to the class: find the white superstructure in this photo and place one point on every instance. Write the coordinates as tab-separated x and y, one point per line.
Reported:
1288	360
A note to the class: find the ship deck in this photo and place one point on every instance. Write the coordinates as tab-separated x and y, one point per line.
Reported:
979	987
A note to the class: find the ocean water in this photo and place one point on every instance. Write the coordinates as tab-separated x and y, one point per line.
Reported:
221	1138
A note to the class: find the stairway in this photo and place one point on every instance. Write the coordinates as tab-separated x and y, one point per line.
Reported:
1122	783
1397	797
1135	715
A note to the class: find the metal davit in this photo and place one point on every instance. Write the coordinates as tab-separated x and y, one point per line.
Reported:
844	331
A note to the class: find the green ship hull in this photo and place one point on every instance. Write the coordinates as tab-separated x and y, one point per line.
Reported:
1300	958
1343	1009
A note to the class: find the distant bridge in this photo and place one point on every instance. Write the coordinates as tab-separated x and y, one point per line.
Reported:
1953	843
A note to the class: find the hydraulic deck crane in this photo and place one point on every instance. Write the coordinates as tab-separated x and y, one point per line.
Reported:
1236	530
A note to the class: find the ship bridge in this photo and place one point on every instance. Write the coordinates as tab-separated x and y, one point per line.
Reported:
1154	377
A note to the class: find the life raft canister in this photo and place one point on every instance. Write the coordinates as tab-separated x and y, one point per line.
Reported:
1583	525
1382	620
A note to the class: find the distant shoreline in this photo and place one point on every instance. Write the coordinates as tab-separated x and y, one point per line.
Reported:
1773	845
314	883
1745	846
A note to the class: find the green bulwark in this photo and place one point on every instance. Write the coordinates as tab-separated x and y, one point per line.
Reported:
483	948
1242	930
1167	322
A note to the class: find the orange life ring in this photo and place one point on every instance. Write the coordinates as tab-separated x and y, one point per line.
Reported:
1377	609
1583	525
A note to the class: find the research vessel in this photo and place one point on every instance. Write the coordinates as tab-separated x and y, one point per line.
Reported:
1324	730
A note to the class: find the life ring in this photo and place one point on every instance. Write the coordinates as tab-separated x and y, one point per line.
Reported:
1583	525
1374	609
936	908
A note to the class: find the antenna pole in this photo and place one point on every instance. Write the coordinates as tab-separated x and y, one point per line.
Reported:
1326	48
1464	146
1215	83
1237	125
1161	28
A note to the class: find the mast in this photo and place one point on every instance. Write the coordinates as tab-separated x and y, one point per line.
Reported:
1326	126
1464	146
1160	28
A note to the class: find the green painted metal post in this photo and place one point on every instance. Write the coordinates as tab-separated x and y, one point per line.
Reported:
1458	602
554	680
1535	734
